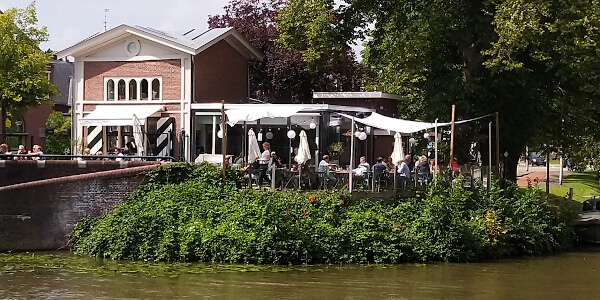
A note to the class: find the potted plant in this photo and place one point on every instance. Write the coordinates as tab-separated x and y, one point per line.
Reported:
335	149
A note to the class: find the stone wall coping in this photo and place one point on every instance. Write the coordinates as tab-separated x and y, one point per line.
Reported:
66	179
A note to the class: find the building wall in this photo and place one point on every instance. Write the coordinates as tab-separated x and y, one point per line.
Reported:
41	215
94	73
35	123
220	73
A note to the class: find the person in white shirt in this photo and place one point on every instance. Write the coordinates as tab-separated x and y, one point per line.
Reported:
118	154
37	152
404	170
264	159
363	166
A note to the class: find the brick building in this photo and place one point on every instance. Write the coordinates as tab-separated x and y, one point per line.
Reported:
133	79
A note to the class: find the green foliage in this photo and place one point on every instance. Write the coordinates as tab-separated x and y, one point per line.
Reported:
59	141
534	62
23	79
197	217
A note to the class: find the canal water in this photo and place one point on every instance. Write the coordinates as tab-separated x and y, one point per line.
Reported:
573	275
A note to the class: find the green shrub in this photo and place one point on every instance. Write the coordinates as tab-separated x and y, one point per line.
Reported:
187	213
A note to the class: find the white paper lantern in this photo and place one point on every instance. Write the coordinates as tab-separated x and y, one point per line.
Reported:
312	125
426	135
362	136
220	133
260	137
291	134
412	140
357	134
269	135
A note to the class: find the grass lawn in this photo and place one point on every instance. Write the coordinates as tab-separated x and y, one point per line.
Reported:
555	162
584	184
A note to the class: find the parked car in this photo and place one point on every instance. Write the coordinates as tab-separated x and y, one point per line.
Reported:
536	159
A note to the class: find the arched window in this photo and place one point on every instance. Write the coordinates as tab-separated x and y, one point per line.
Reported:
144	89
110	90
121	89
133	89
155	89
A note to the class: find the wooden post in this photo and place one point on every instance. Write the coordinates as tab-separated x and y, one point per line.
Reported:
452	134
498	144
223	140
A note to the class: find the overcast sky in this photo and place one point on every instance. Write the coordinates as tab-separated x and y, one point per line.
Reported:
70	21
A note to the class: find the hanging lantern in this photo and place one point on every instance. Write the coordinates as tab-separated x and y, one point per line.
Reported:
260	136
312	124
412	140
362	136
269	135
220	133
426	135
291	134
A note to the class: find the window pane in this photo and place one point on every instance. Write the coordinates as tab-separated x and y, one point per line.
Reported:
132	89
110	90
121	89
155	89
144	89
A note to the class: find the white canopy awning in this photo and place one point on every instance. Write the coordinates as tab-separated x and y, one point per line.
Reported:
119	115
392	124
258	111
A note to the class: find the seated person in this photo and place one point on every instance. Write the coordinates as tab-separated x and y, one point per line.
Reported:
363	166
325	169
239	160
380	166
404	170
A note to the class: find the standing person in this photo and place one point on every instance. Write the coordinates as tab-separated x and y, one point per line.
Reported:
85	152
324	169
21	151
404	171
265	157
4	149
118	154
454	167
37	152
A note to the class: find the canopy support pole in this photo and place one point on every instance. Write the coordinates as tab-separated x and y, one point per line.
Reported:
490	158
223	140
435	170
452	135
351	157
289	126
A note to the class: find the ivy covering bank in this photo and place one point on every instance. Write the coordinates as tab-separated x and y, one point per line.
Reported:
186	213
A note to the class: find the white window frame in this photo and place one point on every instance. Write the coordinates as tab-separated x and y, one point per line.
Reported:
138	81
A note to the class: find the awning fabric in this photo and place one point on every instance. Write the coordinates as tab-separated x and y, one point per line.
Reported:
392	124
119	115
259	111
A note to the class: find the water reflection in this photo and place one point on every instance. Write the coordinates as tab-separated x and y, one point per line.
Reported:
571	275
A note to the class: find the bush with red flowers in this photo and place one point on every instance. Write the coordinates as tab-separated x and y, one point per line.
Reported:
186	213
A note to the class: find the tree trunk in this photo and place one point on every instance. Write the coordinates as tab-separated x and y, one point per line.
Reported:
2	123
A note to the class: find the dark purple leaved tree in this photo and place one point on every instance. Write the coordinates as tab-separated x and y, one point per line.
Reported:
282	77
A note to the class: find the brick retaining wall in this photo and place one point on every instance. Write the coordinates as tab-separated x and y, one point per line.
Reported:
40	215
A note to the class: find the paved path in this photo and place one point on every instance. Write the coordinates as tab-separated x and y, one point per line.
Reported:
538	174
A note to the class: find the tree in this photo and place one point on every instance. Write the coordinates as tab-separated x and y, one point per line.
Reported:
23	79
283	76
534	62
58	140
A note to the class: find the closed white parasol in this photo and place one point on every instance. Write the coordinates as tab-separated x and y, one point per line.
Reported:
398	153
253	149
